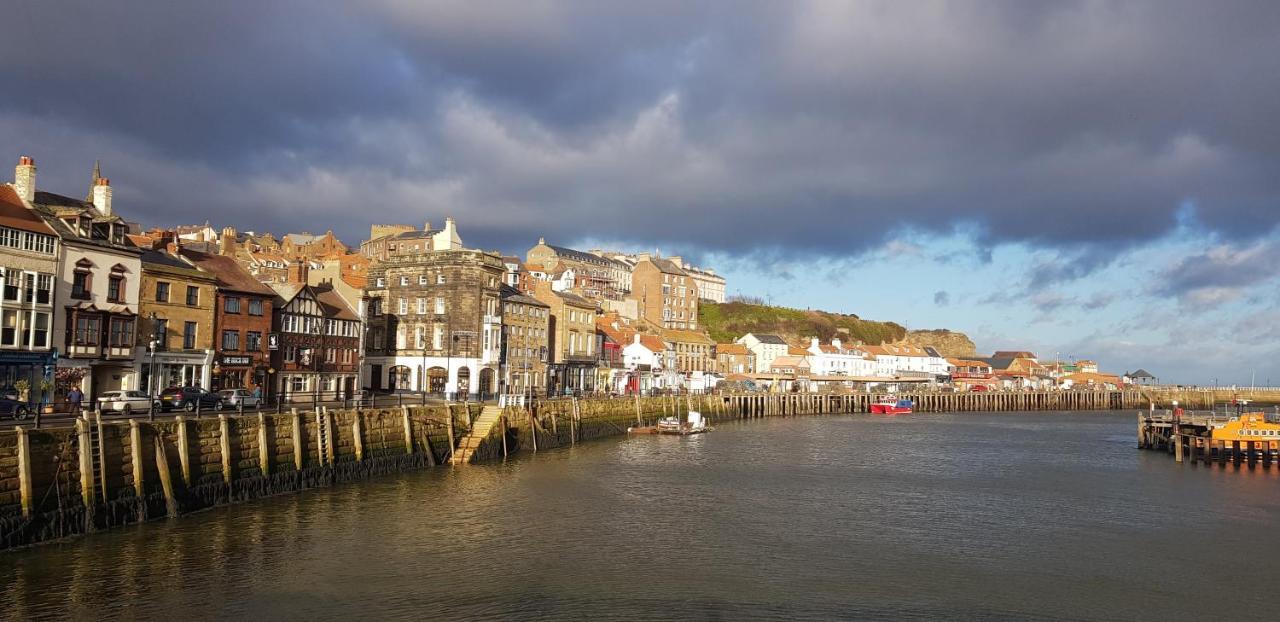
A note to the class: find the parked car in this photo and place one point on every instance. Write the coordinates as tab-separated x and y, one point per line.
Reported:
186	398
14	409
125	402
234	398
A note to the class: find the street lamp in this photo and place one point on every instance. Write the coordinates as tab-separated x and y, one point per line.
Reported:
151	369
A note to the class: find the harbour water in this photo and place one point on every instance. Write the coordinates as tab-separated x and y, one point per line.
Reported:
928	516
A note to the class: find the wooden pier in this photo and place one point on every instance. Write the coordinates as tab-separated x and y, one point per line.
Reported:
1188	437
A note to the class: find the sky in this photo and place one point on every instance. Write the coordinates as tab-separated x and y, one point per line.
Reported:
1083	179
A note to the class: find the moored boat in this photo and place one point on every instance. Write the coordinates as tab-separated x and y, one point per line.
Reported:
673	425
889	405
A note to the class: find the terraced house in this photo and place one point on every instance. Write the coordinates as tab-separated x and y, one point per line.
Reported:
242	325
525	334
571	367
666	295
175	332
317	354
29	253
100	273
434	323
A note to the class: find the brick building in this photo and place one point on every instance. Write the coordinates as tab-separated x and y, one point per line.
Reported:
572	347
29	253
318	341
242	323
734	358
666	295
594	277
434	322
526	325
176	324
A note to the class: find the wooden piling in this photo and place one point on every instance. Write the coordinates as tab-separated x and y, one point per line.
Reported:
86	467
135	456
408	430
166	479
184	450
264	452
357	436
224	444
24	470
298	457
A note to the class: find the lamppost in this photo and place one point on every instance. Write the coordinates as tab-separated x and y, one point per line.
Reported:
151	370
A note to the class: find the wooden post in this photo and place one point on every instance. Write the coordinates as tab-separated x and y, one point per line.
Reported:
24	470
408	430
504	436
453	442
184	450
297	439
356	435
638	421
533	431
1177	447
135	456
166	479
264	453
224	443
86	467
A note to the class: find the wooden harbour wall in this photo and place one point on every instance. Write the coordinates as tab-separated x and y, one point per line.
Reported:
60	482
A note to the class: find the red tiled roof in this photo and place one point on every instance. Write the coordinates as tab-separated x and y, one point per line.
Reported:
229	273
15	215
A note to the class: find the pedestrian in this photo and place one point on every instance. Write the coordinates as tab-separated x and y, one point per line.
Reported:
74	397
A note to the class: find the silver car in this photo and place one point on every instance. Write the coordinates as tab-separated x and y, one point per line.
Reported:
237	397
124	402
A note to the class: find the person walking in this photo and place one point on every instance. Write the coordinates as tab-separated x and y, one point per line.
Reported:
74	397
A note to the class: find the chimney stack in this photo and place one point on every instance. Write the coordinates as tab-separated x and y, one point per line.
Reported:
677	260
102	196
299	271
643	257
227	245
24	178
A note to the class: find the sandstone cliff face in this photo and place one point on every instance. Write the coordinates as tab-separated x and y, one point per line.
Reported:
947	343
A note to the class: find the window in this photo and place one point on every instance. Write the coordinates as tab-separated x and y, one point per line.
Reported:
87	328
439	306
189	335
297	383
253	341
422	279
404	306
161	334
11	285
329	355
9	328
115	287
437	338
404	280
121	332
231	340
231	304
381	282
162	291
26	240
44	289
80	284
440	279
40	337
421	333
193	296
255	306
422	306
290	354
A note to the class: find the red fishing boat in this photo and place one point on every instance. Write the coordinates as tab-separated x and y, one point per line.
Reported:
889	405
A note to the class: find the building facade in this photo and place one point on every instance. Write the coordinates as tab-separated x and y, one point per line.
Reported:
317	342
434	323
734	358
764	348
243	310
176	327
667	296
100	273
594	276
572	364
526	325
29	251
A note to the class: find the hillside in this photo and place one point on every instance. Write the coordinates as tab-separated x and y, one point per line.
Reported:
730	320
947	343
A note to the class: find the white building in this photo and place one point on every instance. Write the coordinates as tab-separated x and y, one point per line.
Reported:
765	348
905	360
837	359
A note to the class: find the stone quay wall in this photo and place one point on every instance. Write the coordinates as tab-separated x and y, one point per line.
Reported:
61	482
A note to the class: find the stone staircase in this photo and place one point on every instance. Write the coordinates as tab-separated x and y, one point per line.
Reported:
480	430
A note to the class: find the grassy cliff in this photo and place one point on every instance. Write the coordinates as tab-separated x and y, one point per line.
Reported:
730	320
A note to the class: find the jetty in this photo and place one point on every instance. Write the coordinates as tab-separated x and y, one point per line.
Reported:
1251	438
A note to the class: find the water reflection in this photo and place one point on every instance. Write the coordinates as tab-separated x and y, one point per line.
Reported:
930	516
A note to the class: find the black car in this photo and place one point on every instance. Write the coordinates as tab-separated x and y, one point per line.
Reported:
13	409
186	398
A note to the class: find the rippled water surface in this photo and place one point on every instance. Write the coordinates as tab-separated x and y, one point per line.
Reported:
973	516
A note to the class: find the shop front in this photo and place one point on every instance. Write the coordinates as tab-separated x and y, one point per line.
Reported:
173	369
25	369
238	372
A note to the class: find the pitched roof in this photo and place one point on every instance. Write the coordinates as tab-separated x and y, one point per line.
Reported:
667	267
577	255
794	351
511	294
770	339
575	299
687	336
731	348
653	343
15	215
335	306
1140	373
1013	354
229	274
789	361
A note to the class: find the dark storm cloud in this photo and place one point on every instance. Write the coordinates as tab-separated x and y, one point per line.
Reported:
941	298
747	128
1221	274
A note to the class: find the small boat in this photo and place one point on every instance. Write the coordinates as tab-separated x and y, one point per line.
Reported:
889	405
673	425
